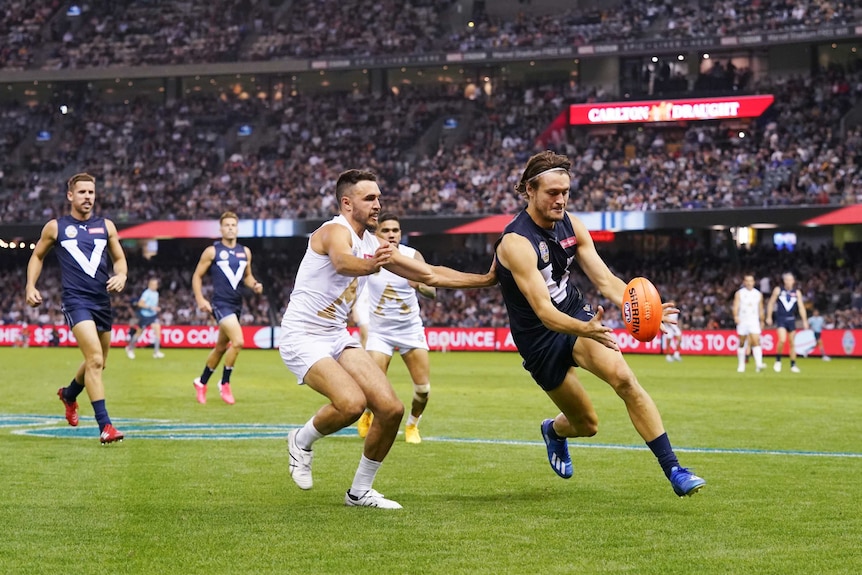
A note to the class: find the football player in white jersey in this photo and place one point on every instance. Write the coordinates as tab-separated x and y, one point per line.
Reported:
748	316
317	348
394	323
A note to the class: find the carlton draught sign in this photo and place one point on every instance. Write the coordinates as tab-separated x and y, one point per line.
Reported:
669	110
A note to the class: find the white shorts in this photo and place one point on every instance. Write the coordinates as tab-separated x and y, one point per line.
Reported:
404	340
300	350
673	330
744	328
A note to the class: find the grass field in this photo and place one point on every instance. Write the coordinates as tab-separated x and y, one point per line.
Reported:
205	489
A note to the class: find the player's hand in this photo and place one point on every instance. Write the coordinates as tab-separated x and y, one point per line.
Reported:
769	321
34	298
382	256
257	288
668	309
205	306
601	333
116	283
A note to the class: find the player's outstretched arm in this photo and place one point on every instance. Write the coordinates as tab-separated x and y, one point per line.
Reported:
335	242
425	291
438	276
517	254
34	267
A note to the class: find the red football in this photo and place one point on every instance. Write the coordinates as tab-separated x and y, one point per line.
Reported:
642	309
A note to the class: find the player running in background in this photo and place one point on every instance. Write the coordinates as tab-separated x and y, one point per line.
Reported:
815	322
748	316
86	241
319	350
556	331
395	324
787	303
147	313
672	338
230	264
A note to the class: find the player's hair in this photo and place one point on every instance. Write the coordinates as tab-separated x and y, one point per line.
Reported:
226	216
388	216
350	178
539	164
82	177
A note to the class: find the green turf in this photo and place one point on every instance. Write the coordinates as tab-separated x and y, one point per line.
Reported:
162	506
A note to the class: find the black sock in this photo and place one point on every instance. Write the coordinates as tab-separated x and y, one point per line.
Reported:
225	374
73	390
660	446
101	413
205	376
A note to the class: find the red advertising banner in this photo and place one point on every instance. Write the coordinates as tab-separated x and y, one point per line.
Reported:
838	343
669	110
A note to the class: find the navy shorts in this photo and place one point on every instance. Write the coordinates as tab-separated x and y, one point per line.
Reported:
222	310
102	317
549	361
787	323
145	321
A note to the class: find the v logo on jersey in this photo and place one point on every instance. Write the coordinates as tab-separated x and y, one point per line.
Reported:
89	265
232	277
787	302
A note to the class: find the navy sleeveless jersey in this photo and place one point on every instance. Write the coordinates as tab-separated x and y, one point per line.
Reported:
83	256
787	306
228	271
555	252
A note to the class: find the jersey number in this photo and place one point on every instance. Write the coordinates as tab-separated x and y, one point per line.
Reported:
89	265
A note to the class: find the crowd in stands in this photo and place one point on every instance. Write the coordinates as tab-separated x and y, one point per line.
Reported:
183	160
51	34
701	280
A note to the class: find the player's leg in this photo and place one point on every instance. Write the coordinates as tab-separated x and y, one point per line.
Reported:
756	350
419	367
94	345
213	359
388	412
230	327
740	351
611	366
577	419
381	356
157	340
782	338
135	330
792	342
346	403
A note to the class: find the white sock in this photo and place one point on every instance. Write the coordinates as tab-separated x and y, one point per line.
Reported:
365	474
757	352
413	420
740	354
306	436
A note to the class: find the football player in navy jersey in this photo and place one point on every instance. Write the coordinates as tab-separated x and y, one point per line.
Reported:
229	264
556	330
86	241
786	302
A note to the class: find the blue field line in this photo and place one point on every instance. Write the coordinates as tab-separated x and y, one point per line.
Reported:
53	426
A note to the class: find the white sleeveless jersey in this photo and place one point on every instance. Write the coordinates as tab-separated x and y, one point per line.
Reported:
749	305
392	302
322	299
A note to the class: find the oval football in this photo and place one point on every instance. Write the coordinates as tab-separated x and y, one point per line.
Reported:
642	311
